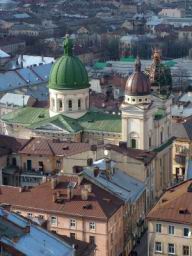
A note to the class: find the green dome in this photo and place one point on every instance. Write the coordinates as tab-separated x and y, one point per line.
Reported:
68	72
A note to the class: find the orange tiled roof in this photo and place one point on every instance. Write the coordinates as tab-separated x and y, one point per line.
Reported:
40	198
175	205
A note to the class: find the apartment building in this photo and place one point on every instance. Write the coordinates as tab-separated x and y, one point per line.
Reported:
170	222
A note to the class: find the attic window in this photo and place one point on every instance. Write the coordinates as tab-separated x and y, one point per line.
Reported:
88	206
183	211
65	147
41	116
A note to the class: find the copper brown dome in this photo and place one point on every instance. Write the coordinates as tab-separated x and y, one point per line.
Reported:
138	83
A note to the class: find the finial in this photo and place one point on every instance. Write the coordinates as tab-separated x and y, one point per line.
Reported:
138	64
156	55
68	46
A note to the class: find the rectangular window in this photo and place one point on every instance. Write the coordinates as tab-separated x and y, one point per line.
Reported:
171	248
60	104
41	217
186	250
158	228
92	240
92	225
186	232
72	235
171	230
72	223
158	247
53	220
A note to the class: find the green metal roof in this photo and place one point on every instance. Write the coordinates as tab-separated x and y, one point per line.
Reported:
34	118
98	121
68	72
26	116
128	59
100	65
170	63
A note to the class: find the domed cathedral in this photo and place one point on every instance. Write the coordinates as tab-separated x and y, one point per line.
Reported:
146	119
159	75
68	85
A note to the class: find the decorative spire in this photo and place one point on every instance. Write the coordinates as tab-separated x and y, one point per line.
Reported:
156	55
138	64
68	46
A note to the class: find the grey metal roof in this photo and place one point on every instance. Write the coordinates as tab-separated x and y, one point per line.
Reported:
121	184
15	99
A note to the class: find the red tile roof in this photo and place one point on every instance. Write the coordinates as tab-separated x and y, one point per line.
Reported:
138	154
10	144
39	146
40	199
175	205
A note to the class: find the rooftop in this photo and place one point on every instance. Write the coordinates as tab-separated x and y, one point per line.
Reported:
175	205
120	184
16	234
99	204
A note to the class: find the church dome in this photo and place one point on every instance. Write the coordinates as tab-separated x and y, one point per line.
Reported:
138	83
68	72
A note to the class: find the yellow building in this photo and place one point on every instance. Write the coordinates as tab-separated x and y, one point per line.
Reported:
170	223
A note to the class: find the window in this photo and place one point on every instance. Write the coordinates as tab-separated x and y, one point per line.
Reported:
133	99
58	164
186	232
158	228
158	247
140	100
72	223
145	99
92	225
171	248
185	250
161	136
171	230
149	141
133	143
41	217
79	104
92	240
70	105
29	215
60	105
18	212
53	220
72	235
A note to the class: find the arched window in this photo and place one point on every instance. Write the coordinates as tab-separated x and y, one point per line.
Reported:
161	136
133	143
70	105
79	104
60	104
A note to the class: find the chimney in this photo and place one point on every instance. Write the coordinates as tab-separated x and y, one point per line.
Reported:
54	198
70	193
88	187
21	189
26	229
53	183
84	194
96	171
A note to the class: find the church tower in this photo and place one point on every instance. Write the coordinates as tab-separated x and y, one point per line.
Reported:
135	107
68	85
